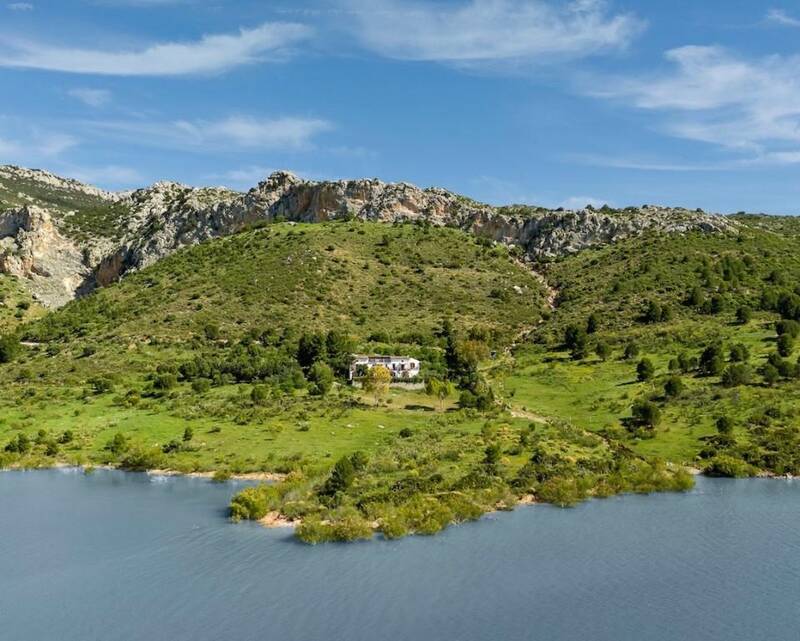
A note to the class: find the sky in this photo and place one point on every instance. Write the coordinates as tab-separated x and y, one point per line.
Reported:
674	102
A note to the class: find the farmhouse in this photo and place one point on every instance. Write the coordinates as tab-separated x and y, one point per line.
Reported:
401	367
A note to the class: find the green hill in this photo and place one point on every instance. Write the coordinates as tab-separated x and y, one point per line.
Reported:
660	351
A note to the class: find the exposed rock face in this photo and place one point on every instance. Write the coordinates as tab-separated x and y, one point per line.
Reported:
167	216
31	247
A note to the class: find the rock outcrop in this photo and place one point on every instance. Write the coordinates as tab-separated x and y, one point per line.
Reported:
166	216
32	248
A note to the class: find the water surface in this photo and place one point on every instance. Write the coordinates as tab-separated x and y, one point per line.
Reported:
118	556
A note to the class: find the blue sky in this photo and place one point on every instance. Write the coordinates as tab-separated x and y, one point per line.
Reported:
555	103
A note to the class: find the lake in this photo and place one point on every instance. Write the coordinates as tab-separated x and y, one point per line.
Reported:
116	556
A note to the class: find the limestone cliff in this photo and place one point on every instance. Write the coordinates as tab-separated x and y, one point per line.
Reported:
151	223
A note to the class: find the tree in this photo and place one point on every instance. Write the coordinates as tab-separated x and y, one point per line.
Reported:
645	370
118	444
259	394
790	327
725	425
717	304
711	360
739	353
310	349
439	389
376	382
592	323
603	350
646	414
744	315
736	374
686	363
188	434
673	387
631	351
654	313
321	378
9	348
339	347
785	345
771	374
341	478
695	298
492	457
580	345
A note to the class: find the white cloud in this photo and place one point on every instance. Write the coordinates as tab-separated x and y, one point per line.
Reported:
232	133
210	54
779	16
645	164
91	97
20	6
486	31
21	144
714	96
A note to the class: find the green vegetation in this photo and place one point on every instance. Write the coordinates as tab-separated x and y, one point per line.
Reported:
232	356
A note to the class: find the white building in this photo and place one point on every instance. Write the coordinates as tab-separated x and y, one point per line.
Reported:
401	367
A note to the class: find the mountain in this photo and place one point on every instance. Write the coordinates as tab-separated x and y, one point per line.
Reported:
65	238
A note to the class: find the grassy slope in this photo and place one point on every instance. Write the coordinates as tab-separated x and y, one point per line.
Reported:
82	216
369	279
361	278
615	282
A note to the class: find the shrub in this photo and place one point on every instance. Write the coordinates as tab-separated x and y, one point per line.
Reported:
646	414
673	387
785	345
645	370
744	315
603	350
712	361
201	385
9	348
739	353
321	378
737	374
725	425
631	351
249	504
724	465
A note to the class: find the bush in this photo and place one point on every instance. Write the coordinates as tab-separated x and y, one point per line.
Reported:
673	387
603	350
140	460
785	345
739	353
9	348
725	425
250	504
724	465
259	394
645	370
711	361
321	378
737	374
201	385
646	414
744	315
631	351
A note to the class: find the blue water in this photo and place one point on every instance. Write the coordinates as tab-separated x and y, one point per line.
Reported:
117	556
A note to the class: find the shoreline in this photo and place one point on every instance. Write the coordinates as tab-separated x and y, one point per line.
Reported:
245	476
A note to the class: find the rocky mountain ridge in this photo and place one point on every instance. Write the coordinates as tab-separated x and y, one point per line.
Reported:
63	252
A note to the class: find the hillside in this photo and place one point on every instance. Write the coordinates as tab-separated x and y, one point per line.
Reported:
99	236
568	355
